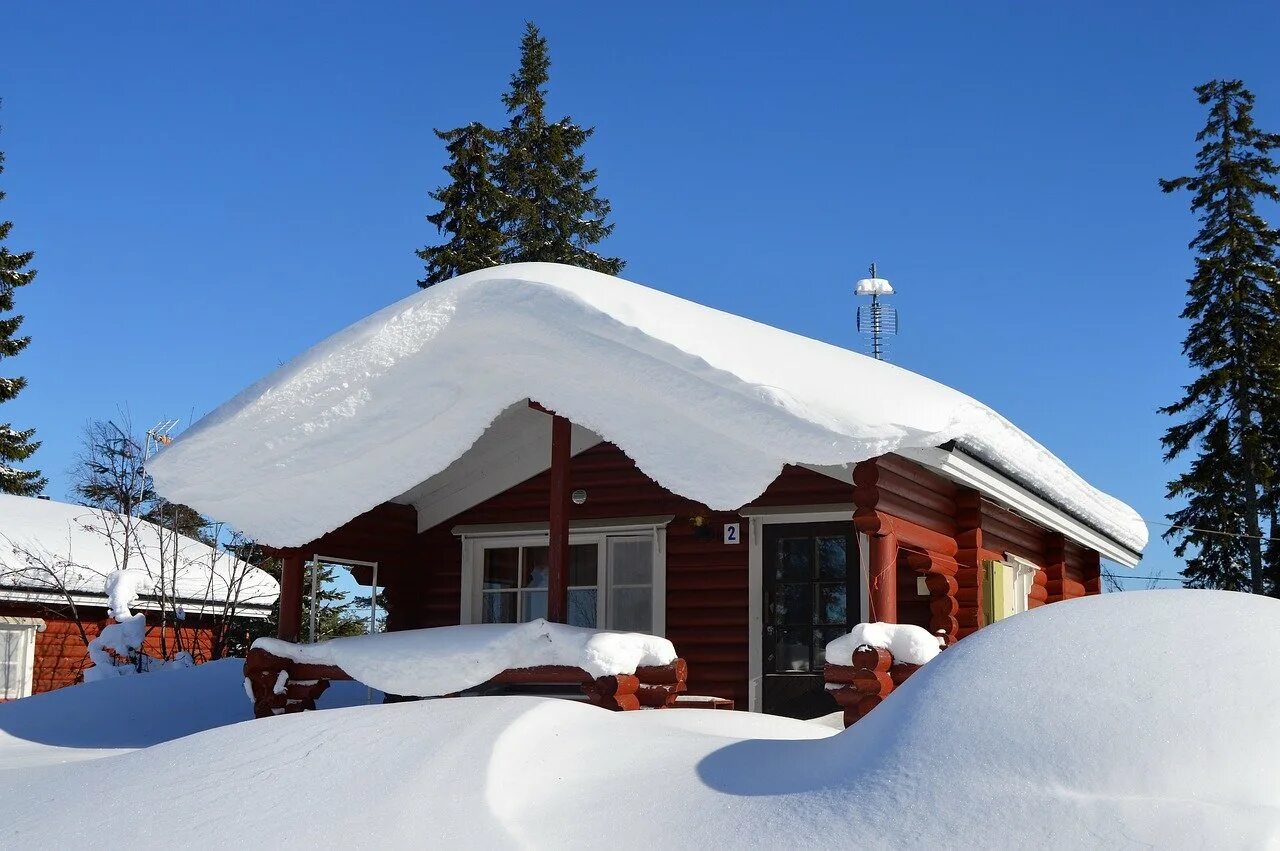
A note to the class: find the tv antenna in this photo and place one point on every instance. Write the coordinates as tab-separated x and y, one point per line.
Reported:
875	319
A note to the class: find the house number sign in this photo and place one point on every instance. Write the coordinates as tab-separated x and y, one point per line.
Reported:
731	533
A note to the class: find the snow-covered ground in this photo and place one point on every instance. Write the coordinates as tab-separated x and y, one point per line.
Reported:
1128	720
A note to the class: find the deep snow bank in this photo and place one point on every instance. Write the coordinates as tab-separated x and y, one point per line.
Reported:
710	405
1130	720
124	713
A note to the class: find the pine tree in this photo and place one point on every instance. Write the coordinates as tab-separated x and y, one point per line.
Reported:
470	206
16	445
1228	413
551	211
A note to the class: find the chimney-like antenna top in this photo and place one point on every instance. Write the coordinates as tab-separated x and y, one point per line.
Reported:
875	319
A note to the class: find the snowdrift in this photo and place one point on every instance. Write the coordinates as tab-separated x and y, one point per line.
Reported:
1131	720
708	404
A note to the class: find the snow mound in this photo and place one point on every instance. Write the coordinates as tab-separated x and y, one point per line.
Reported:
708	404
1129	720
907	642
122	714
449	659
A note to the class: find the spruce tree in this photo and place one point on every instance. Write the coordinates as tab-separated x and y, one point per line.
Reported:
469	207
551	210
16	445
1228	413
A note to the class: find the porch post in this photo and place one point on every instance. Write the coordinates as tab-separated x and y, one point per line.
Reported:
290	626
883	575
558	555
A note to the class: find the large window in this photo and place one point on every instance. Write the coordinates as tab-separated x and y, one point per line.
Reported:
612	580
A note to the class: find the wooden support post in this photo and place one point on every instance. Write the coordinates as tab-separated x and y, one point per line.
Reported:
969	555
883	578
558	554
290	626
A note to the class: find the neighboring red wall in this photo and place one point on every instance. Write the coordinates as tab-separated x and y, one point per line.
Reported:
61	653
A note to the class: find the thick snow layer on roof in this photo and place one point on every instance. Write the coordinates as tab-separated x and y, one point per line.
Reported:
450	659
47	545
708	404
1132	720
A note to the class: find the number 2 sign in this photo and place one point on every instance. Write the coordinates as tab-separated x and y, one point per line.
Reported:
731	533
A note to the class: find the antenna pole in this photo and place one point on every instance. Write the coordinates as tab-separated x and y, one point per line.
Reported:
876	351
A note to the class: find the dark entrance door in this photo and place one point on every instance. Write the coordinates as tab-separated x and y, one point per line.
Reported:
811	592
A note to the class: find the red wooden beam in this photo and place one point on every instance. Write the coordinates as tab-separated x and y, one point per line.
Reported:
558	555
290	626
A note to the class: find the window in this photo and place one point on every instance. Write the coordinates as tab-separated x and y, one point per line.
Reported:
1007	587
17	656
614	580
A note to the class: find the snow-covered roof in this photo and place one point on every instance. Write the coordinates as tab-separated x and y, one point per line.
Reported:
708	404
47	547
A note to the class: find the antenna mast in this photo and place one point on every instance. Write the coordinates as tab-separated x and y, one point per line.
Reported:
876	320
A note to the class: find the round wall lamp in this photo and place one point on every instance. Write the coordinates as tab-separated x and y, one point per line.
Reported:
579	496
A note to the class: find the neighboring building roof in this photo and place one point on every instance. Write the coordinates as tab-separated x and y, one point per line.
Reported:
708	404
48	546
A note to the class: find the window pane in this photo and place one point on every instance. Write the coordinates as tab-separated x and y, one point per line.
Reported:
794	559
498	607
631	561
793	603
536	567
501	567
584	560
583	607
833	557
632	610
792	650
831	603
534	605
821	638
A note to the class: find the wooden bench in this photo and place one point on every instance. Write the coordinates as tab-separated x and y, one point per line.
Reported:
279	685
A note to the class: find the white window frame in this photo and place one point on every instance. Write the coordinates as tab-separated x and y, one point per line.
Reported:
26	667
759	518
1022	575
477	539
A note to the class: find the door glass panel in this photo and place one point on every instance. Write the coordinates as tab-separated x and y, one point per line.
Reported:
832	557
831	603
632	609
631	561
501	567
498	607
582	606
793	649
793	603
536	568
583	564
534	604
795	559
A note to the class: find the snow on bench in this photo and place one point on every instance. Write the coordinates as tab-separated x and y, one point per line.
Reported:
620	670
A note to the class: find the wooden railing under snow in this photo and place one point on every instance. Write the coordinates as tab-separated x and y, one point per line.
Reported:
279	685
860	687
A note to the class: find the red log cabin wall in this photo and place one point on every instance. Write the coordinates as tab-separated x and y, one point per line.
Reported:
61	653
944	532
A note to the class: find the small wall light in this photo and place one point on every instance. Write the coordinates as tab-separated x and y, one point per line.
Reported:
579	496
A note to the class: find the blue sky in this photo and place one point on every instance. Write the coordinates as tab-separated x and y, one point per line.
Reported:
211	189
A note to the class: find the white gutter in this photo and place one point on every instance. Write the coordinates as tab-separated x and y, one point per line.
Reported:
969	471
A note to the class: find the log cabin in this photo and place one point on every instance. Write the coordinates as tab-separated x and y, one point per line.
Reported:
54	560
537	440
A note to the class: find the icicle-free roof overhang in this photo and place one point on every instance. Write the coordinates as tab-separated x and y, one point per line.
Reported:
708	404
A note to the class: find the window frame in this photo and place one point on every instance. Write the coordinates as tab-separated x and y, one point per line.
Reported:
26	665
476	540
